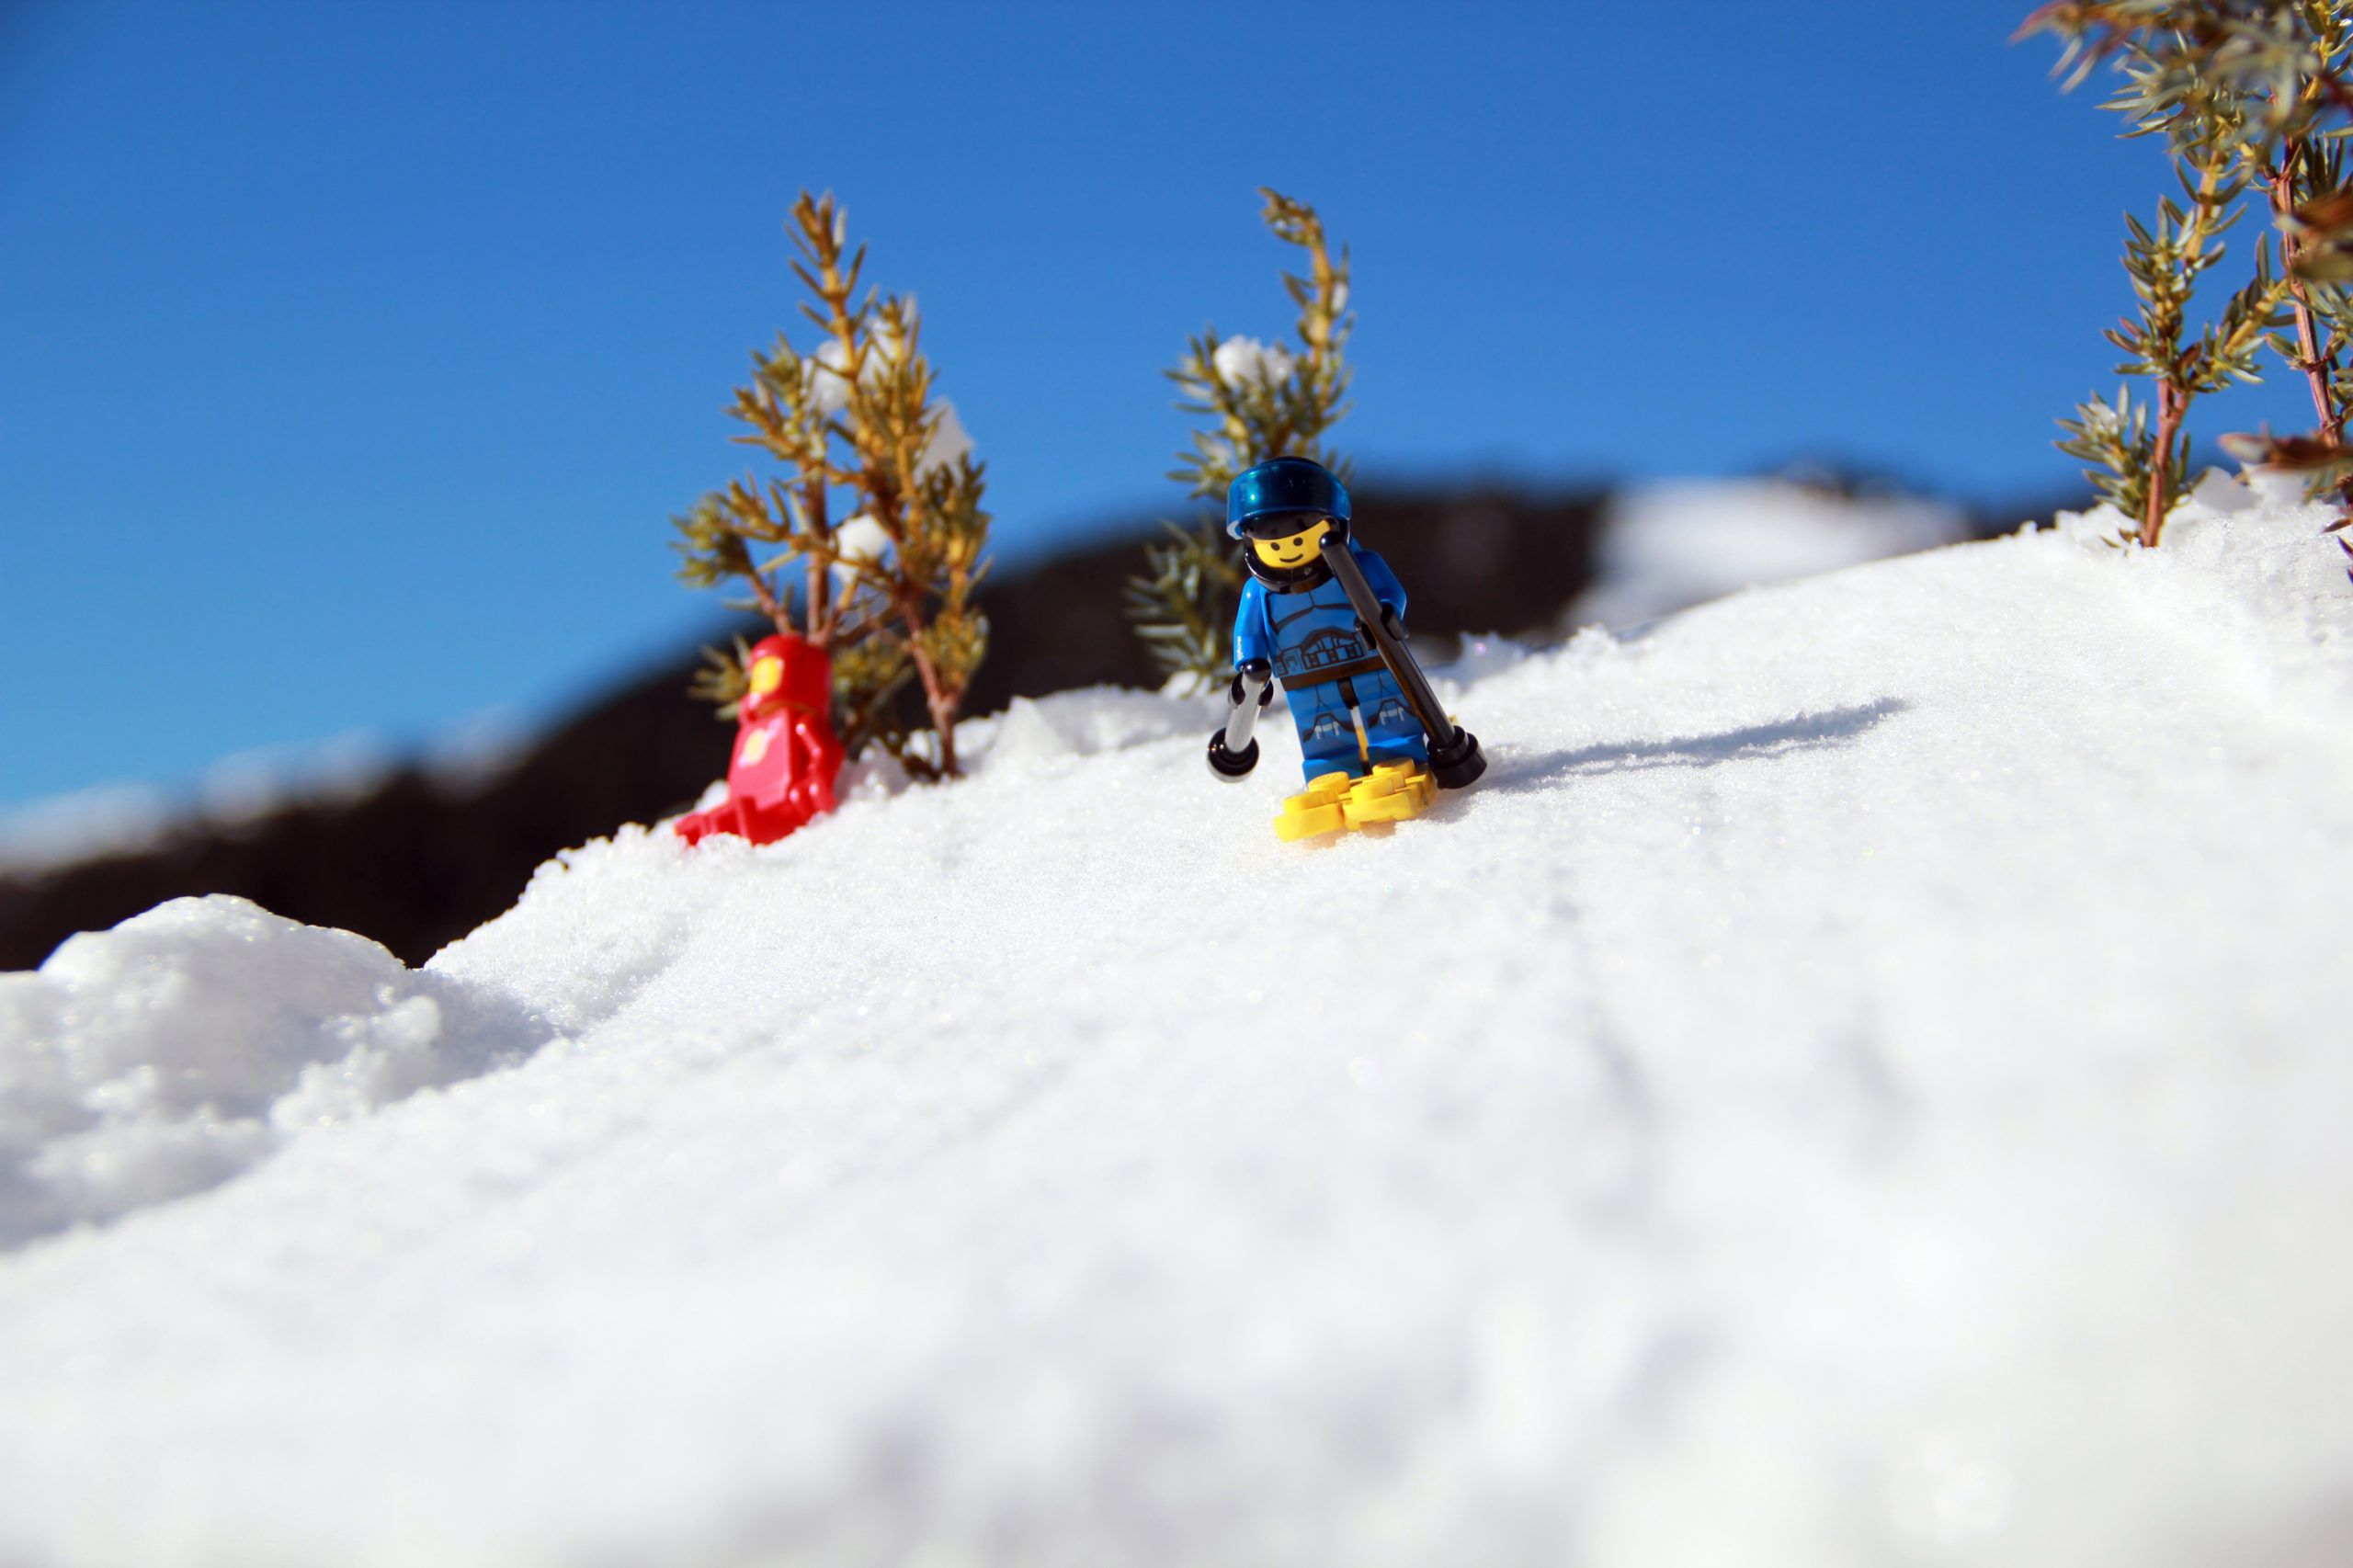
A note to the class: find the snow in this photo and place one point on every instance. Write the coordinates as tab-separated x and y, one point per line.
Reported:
1860	1082
179	1049
1240	361
949	444
858	541
1667	547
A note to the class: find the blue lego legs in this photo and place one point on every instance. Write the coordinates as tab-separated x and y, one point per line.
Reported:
1327	731
1350	785
1391	730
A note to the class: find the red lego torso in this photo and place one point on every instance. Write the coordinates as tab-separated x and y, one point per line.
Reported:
785	753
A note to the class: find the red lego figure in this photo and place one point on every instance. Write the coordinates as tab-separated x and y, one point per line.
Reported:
785	754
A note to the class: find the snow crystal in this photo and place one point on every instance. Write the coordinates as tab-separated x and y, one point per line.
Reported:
1860	1082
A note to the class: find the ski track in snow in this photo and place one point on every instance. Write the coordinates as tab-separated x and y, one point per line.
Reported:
1862	1082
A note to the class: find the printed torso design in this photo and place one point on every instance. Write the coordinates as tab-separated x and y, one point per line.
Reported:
1316	636
1350	713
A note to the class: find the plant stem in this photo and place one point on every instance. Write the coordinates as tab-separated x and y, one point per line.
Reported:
2173	381
2173	405
769	606
822	613
2317	369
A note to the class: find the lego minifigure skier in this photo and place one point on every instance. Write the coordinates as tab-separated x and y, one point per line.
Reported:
1325	617
785	754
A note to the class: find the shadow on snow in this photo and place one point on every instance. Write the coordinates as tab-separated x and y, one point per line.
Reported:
1807	731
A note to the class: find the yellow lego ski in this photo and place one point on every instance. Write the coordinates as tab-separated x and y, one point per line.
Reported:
1334	802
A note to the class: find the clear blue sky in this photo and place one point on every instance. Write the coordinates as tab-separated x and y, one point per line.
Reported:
352	357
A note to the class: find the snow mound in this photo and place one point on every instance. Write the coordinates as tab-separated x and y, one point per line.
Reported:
1860	1082
170	1054
2263	542
1669	547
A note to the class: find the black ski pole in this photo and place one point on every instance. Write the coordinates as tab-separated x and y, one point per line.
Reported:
1234	750
1455	758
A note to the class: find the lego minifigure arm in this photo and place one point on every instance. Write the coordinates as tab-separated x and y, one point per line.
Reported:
1251	642
820	759
1384	585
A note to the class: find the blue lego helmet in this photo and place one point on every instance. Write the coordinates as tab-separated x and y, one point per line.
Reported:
1281	497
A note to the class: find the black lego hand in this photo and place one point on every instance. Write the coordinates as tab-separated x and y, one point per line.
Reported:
1232	765
1253	672
1234	750
1394	624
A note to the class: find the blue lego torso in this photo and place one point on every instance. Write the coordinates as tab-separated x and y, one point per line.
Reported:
1312	635
1350	713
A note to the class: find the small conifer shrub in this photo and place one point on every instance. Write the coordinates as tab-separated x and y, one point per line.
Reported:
1256	400
2253	99
870	539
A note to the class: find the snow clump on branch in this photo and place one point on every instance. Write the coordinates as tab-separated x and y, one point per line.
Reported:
1241	360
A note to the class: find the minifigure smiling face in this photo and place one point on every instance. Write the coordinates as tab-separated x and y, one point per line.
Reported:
1295	548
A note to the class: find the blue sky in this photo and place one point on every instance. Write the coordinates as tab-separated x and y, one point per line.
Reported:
353	356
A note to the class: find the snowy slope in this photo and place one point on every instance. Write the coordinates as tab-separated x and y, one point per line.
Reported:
1863	1081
